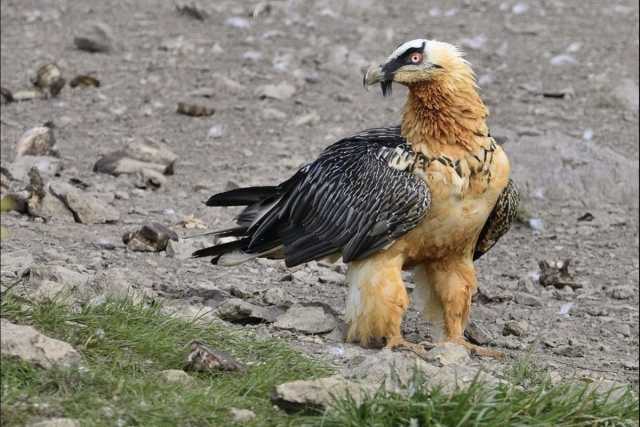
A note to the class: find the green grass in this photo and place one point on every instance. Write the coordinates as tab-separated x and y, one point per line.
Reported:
124	346
479	405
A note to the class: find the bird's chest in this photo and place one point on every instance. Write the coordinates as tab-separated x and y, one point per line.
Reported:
464	189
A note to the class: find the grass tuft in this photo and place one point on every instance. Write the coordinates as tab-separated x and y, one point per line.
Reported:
124	347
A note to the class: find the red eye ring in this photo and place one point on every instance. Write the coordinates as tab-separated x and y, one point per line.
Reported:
416	58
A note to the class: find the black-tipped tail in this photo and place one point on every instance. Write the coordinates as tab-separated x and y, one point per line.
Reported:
242	196
218	250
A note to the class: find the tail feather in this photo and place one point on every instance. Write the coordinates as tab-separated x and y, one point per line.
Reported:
242	196
221	249
228	232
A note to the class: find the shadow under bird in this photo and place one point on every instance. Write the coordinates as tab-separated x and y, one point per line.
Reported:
431	195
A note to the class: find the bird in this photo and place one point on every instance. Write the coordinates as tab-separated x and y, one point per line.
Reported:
430	195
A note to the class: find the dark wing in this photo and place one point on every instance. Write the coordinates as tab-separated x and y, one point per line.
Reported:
357	198
499	221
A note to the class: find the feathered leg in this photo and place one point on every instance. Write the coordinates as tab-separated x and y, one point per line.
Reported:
449	286
377	301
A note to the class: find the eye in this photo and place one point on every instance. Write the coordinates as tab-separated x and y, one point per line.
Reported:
415	58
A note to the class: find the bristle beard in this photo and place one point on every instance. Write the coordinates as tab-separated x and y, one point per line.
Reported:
386	87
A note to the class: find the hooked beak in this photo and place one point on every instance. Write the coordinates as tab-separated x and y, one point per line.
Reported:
374	75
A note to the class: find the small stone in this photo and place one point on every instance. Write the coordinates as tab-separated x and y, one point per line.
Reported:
528	300
569	350
205	359
448	353
563	59
526	285
38	141
238	311
56	422
516	328
192	10
241	415
105	244
536	224
181	249
306	319
237	22
273	114
152	237
177	376
276	296
282	91
307	119
94	37
330	276
29	345
520	8
620	292
626	94
477	334
215	132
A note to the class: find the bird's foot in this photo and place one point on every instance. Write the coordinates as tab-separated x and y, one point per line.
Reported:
476	349
399	343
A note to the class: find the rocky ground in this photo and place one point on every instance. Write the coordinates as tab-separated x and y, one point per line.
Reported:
278	82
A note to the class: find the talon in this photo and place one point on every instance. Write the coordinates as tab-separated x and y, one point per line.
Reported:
402	344
477	350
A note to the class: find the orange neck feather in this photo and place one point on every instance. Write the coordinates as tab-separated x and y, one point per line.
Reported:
444	111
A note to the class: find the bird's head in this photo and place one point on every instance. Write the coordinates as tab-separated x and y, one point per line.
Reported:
419	61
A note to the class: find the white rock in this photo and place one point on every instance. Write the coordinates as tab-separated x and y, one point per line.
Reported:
29	345
281	91
216	131
241	415
563	59
47	166
177	376
520	8
237	22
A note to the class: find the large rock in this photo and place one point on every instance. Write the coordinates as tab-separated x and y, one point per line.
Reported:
56	282
47	166
315	394
398	369
27	344
86	208
308	320
574	169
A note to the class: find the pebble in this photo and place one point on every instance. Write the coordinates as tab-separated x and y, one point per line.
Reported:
152	237
516	328
177	376
563	59
620	292
241	415
216	131
94	37
273	114
528	300
237	22
281	91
